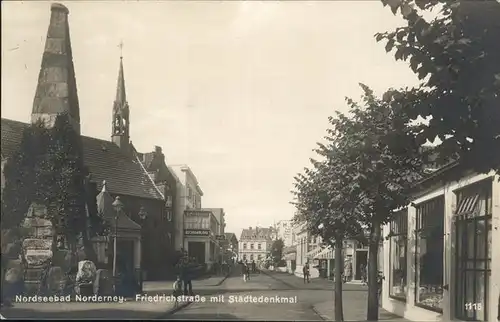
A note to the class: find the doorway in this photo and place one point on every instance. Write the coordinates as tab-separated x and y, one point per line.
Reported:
361	260
197	250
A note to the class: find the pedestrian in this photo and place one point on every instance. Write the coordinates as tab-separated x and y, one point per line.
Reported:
363	272
177	290
246	272
348	271
380	281
305	272
187	276
254	267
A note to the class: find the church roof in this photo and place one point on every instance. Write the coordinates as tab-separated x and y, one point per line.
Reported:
105	160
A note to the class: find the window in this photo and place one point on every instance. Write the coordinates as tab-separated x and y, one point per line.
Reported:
251	257
473	251
259	246
245	246
259	257
398	251
251	246
245	257
429	254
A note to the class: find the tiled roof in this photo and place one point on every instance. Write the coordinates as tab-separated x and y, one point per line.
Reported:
256	233
104	159
230	236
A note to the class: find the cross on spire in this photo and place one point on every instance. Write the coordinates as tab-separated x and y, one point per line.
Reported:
120	45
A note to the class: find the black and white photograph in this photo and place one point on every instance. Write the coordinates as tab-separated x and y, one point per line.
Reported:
250	160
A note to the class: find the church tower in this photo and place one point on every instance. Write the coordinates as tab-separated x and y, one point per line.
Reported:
121	113
56	90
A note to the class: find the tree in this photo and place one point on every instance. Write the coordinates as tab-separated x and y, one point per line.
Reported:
455	55
383	160
372	161
19	172
320	204
48	169
277	251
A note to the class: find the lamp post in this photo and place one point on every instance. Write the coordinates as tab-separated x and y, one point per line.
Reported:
118	206
143	214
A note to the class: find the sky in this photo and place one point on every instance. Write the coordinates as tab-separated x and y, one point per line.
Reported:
240	91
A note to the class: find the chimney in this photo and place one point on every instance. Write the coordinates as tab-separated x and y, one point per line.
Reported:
56	91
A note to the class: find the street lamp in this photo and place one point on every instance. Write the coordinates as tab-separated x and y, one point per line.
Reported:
118	206
143	214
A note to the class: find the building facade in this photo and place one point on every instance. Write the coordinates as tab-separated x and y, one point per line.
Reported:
255	243
307	246
188	197
155	165
284	231
439	261
200	236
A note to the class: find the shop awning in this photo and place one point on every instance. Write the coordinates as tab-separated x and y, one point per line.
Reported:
291	257
326	253
314	252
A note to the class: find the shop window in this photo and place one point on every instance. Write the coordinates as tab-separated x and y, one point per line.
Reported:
472	222
398	254
259	246
429	255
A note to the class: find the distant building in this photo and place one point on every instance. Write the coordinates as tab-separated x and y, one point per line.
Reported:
230	245
284	231
255	243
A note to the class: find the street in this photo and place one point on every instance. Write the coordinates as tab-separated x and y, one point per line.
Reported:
259	285
315	300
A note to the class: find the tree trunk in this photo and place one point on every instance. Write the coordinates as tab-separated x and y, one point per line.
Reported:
339	312
373	247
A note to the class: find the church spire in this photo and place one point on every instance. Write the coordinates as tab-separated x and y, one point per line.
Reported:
121	95
121	113
56	90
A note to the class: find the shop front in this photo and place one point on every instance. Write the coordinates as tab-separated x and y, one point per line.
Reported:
438	259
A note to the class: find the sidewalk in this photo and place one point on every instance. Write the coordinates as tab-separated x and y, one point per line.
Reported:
354	298
160	287
129	309
354	306
315	284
